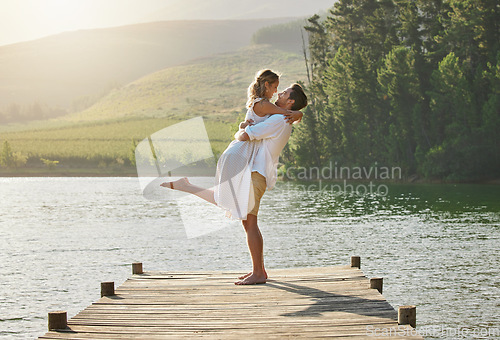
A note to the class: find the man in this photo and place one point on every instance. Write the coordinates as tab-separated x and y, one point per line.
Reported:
274	133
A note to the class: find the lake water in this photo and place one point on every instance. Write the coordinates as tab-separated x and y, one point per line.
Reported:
436	246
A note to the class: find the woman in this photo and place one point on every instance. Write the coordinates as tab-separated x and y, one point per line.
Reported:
233	188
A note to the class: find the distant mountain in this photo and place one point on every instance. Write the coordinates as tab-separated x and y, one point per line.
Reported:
230	9
59	69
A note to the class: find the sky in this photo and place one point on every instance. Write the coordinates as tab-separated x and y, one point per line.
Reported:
22	20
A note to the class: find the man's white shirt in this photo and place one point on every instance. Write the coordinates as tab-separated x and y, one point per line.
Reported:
274	133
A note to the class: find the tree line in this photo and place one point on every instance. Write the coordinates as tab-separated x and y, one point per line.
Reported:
407	83
18	113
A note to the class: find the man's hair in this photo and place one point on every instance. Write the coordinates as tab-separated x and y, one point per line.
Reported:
299	96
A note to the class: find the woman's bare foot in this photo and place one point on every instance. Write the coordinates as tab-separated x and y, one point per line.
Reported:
180	184
252	279
247	275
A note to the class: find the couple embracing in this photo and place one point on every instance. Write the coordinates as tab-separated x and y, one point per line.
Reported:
249	164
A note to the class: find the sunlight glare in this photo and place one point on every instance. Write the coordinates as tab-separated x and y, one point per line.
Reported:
62	14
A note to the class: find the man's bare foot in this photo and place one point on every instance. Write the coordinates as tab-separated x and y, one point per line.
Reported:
244	276
247	275
176	185
252	280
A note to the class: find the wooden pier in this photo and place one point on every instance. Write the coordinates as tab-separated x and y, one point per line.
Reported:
298	302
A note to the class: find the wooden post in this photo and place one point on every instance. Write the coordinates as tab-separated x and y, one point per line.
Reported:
407	315
137	268
58	320
355	261
107	289
377	283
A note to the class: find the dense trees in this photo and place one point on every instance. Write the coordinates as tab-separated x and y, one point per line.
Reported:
405	83
15	113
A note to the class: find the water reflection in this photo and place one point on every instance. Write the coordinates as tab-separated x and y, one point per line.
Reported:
420	199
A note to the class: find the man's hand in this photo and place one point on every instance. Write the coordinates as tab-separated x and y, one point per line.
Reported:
241	135
293	116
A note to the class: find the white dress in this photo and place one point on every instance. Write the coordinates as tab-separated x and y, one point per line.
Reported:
233	179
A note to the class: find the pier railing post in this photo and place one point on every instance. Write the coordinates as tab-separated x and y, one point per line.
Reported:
107	289
58	320
377	283
407	315
356	262
137	268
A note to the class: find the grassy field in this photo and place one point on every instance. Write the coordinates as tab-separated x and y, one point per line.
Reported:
101	137
104	143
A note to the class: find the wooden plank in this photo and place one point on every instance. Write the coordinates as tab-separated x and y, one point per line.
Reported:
139	329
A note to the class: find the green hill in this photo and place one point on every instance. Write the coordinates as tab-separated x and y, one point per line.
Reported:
101	136
209	86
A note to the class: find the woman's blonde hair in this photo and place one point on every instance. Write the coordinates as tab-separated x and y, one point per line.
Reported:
257	88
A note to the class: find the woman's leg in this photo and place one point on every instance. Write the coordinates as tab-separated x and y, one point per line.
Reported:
184	185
